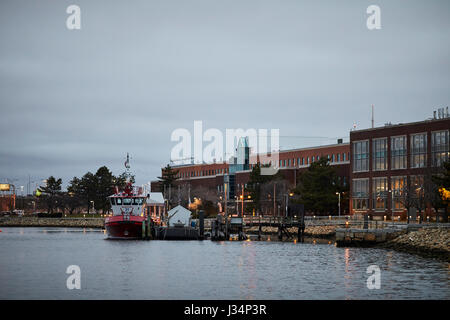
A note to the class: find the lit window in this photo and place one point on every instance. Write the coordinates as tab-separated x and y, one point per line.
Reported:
380	192
398	186
360	194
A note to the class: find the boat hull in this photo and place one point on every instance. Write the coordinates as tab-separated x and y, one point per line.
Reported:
120	228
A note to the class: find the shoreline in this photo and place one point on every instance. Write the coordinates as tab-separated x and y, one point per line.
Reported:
433	242
29	222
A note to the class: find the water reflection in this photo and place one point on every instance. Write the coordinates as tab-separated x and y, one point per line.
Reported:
207	270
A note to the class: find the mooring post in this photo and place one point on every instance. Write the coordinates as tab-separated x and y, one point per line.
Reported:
143	229
301	229
259	229
149	228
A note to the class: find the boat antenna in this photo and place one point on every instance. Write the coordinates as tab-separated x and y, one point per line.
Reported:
127	167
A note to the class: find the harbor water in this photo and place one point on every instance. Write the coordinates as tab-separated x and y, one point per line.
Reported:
33	264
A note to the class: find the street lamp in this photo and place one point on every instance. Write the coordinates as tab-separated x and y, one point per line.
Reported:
339	202
391	192
287	203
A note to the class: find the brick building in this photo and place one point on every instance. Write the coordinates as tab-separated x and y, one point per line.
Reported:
231	178
390	162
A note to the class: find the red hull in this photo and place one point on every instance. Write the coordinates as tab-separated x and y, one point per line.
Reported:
119	228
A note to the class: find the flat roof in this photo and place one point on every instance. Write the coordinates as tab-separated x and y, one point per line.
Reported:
389	125
255	155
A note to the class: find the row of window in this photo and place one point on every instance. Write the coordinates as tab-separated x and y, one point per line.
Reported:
399	152
202	173
381	193
304	161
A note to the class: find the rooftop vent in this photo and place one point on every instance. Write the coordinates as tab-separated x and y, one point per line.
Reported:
442	113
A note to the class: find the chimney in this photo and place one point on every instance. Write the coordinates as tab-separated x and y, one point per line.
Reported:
339	141
434	115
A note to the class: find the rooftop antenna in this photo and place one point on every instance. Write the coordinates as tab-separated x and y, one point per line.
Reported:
372	117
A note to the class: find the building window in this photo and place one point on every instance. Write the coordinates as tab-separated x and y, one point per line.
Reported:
289	162
338	157
439	148
419	150
379	154
312	159
379	190
398	152
332	158
360	194
343	157
303	161
398	186
281	163
361	156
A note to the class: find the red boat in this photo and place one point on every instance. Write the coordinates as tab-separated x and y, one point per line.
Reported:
128	212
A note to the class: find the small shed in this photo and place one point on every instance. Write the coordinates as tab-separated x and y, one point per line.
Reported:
179	216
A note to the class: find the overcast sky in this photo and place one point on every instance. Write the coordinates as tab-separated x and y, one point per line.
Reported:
74	100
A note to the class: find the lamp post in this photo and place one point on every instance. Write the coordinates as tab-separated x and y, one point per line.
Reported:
287	203
391	192
339	203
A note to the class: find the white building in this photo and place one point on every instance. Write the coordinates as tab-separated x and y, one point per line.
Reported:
179	216
155	205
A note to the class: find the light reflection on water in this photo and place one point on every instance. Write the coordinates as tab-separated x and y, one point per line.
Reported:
33	262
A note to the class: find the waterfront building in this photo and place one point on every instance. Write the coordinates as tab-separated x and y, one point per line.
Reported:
390	166
228	179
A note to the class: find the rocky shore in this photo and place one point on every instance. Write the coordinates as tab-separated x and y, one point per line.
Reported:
427	242
312	231
51	222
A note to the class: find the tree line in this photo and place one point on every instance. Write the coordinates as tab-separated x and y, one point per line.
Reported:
87	192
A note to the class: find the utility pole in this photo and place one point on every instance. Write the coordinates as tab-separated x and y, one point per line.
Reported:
373	121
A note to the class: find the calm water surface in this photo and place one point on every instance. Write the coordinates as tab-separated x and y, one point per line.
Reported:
33	263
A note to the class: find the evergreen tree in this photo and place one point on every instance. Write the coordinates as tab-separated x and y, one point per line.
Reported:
254	185
317	188
104	181
167	182
52	191
88	189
